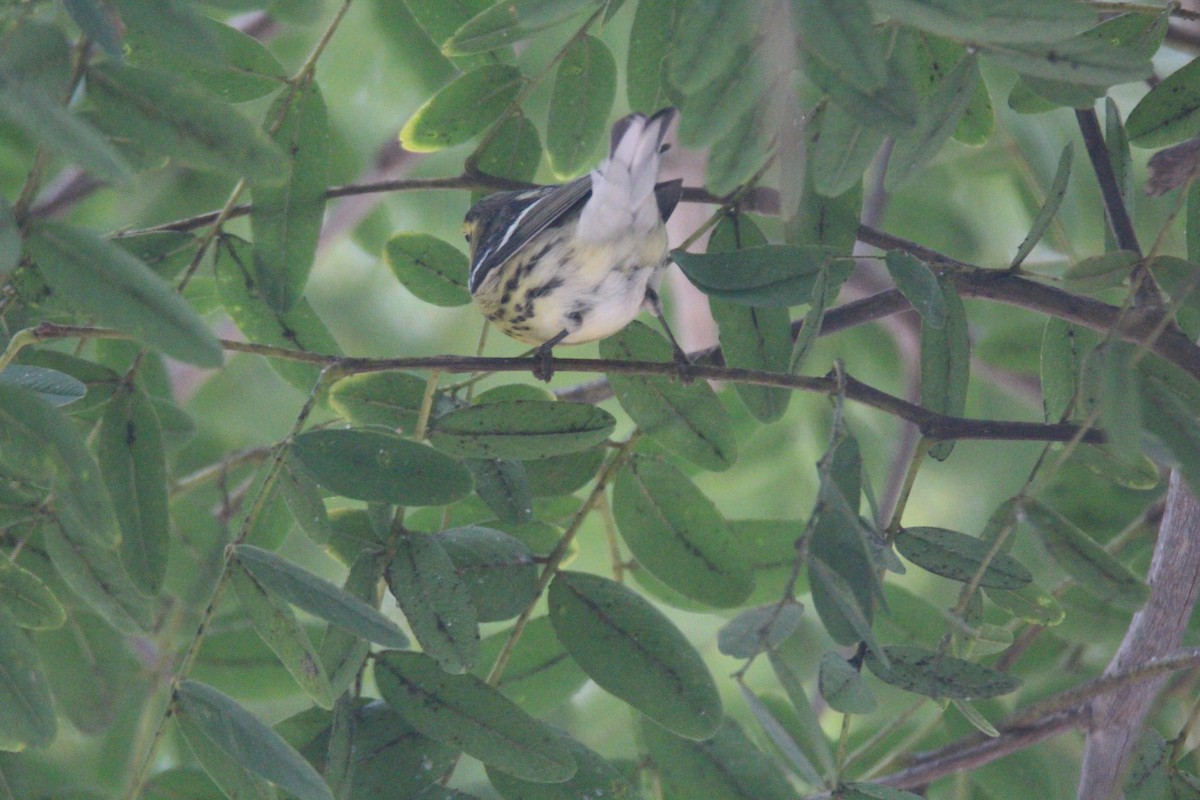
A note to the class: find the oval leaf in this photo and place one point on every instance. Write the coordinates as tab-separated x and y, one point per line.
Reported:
594	777
133	462
632	650
381	467
318	596
247	741
520	429
689	420
946	364
919	285
540	676
116	288
676	533
767	275
760	628
959	557
390	399
725	767
498	570
464	712
462	109
433	270
28	599
166	116
1170	112
584	87
26	710
843	687
1081	557
286	220
435	600
507	22
276	624
937	675
52	386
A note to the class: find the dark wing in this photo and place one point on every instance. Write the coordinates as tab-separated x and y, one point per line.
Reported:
503	238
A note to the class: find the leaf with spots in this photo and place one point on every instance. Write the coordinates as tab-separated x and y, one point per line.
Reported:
464	712
433	270
959	557
462	109
633	651
937	675
435	600
686	419
276	624
676	533
520	429
297	329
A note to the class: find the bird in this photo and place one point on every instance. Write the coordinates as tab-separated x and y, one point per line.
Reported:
576	262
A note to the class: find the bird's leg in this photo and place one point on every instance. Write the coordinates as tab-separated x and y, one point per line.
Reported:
543	356
682	362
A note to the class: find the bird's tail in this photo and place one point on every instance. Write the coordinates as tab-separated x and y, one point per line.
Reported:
623	200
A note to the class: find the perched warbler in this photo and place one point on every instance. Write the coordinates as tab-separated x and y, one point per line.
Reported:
574	263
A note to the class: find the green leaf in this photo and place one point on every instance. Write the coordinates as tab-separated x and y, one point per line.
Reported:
1111	387
433	270
106	282
767	717
843	687
540	676
164	116
946	365
843	151
514	151
42	118
1173	424
1168	113
745	150
585	84
707	39
990	21
244	70
343	653
175	24
302	497
497	569
520	429
917	282
752	337
561	475
1054	198
389	399
318	597
1097	572
501	483
823	292
713	111
275	622
246	741
374	465
1082	60
871	791
51	386
959	557
435	600
463	108
650	45
594	777
10	238
840	34
510	21
676	533
286	220
133	462
95	573
1096	273
1065	346
936	121
726	766
1030	603
99	26
759	628
938	675
767	275
297	329
688	420
28	599
785	663
932	57
26	709
464	712
633	651
839	603
1137	472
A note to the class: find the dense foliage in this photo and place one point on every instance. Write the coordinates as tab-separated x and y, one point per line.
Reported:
272	524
